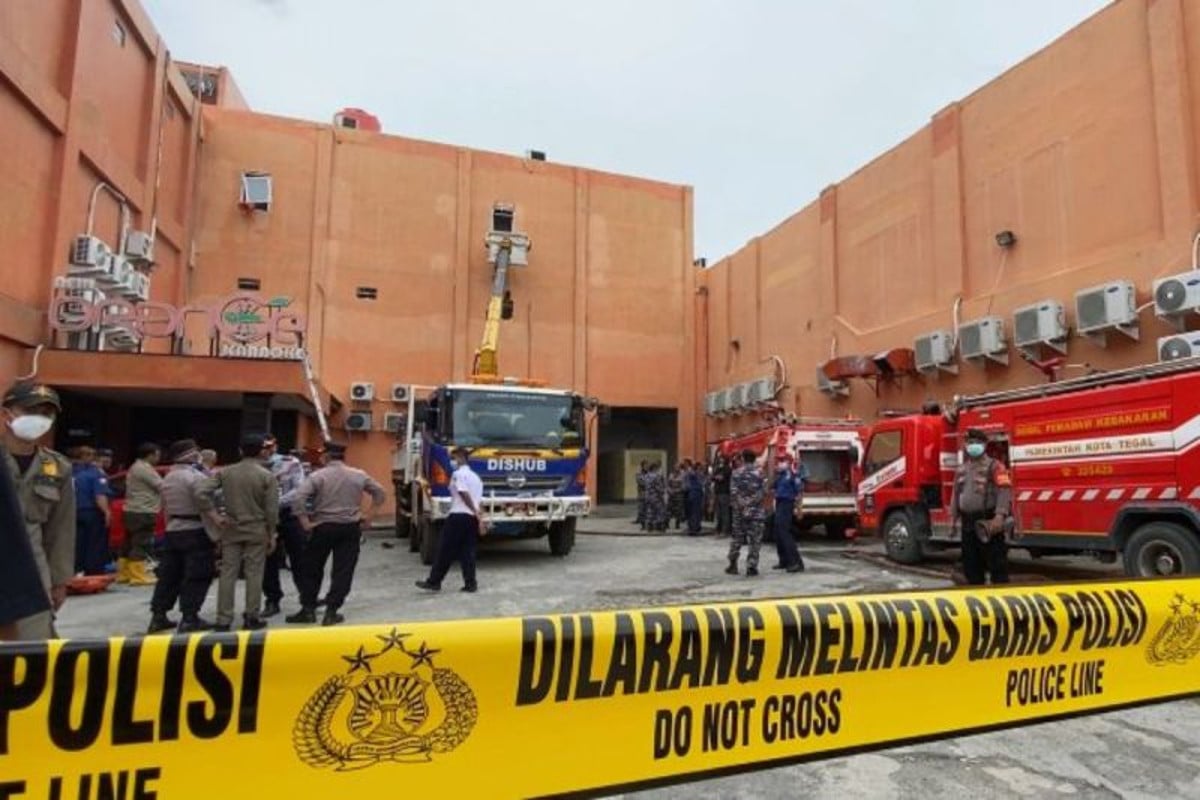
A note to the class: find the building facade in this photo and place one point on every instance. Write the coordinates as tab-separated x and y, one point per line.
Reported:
275	237
1075	169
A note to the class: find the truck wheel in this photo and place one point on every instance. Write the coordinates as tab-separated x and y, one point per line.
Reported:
1162	548
431	539
837	530
562	537
900	538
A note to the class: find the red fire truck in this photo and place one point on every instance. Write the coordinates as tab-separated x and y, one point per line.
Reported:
830	448
1106	464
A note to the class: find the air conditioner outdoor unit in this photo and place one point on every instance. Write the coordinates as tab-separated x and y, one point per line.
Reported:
983	339
1177	296
118	274
119	338
1043	323
721	402
89	251
1182	345
139	246
831	388
1109	307
737	397
362	391
393	422
934	351
760	391
358	421
137	287
710	404
401	392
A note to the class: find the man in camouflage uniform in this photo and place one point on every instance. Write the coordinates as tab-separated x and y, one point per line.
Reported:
640	479
675	508
656	498
981	507
748	490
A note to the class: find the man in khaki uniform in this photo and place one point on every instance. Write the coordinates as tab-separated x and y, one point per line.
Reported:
47	496
143	502
981	507
251	504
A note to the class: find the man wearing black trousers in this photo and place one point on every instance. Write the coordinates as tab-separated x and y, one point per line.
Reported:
463	526
334	527
289	537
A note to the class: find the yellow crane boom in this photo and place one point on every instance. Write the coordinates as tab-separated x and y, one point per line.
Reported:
506	249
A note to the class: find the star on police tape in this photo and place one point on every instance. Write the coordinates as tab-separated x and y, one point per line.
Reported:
1178	641
367	716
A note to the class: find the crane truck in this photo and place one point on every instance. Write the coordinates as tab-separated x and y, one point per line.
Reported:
527	442
1106	464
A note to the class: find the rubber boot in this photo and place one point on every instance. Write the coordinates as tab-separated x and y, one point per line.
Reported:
122	570
732	569
136	574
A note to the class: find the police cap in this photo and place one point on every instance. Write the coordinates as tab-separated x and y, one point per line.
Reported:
976	435
183	450
30	394
334	449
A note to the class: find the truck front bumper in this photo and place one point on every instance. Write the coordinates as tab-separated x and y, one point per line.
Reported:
534	508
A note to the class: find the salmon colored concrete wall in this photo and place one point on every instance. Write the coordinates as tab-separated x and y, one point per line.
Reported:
1087	151
605	307
83	100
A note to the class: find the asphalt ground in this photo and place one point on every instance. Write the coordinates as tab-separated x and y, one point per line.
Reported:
1151	752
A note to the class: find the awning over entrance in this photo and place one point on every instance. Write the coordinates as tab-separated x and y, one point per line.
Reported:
188	380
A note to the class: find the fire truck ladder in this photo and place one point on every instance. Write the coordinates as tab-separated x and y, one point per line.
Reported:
1100	379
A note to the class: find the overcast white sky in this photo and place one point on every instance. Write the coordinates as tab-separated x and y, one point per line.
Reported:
758	104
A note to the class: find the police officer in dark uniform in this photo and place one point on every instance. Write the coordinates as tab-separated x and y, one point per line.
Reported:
982	508
23	595
46	494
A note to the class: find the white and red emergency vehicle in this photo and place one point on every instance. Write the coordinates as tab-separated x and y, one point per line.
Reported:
1107	464
830	448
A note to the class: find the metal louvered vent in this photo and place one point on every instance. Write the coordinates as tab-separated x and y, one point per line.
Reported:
1092	310
1025	324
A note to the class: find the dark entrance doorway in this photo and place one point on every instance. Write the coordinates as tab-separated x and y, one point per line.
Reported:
627	434
122	420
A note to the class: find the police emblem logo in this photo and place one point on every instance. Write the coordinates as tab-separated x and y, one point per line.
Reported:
369	715
1178	640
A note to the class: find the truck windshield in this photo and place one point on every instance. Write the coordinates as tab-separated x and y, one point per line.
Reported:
483	417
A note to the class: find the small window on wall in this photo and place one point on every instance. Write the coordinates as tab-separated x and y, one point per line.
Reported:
366	293
249	284
256	191
118	32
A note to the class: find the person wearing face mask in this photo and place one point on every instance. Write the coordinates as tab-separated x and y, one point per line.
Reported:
46	493
981	506
464	525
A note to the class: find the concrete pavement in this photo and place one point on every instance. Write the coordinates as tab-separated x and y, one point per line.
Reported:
1145	753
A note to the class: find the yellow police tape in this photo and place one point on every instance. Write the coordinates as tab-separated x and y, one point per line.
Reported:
576	702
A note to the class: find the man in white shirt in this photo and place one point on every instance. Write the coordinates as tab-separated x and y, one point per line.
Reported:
462	527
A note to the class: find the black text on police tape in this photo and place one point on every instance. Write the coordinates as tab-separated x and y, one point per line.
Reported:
79	682
656	651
